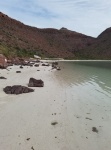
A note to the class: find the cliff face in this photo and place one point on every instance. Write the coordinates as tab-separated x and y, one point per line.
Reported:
17	39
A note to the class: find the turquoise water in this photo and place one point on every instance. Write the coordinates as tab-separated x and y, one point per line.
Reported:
91	80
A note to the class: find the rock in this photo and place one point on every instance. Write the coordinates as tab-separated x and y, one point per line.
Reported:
18	71
21	67
94	129
45	64
17	89
32	148
28	139
2	77
3	62
9	62
35	83
55	63
54	123
58	68
36	65
31	65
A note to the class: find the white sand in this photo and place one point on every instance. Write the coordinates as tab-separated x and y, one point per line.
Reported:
30	115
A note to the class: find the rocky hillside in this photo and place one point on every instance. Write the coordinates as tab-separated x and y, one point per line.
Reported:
17	39
100	48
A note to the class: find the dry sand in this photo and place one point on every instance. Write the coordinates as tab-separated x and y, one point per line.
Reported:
26	119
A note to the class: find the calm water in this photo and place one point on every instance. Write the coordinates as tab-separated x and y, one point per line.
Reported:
87	92
89	79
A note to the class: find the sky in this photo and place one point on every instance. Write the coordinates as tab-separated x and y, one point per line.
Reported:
90	17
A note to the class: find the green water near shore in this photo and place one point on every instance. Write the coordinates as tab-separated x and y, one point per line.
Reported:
90	79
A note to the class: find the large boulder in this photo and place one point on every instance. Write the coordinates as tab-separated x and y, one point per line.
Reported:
35	83
17	89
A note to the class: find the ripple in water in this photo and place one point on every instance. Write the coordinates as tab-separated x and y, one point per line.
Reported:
90	79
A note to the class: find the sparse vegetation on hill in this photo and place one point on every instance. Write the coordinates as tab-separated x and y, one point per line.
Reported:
17	39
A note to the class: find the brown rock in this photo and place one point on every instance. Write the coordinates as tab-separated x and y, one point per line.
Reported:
3	62
21	67
17	89
2	77
18	71
35	83
94	129
36	65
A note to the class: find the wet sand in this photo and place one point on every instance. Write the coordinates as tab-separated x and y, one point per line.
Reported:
46	119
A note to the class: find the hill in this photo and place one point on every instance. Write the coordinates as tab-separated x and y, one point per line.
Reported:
100	48
17	39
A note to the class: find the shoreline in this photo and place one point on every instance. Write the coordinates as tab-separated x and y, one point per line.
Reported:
50	117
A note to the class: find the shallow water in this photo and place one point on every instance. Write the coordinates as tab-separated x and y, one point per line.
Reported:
89	79
78	98
87	89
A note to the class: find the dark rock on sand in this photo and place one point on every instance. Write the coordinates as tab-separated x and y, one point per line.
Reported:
88	118
21	67
45	64
94	129
54	123
35	83
58	68
36	65
55	63
28	139
17	89
2	77
18	71
32	148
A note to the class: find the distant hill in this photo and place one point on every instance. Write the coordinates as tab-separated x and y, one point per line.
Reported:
17	39
100	48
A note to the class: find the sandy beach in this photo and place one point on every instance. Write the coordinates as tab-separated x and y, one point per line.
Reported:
26	120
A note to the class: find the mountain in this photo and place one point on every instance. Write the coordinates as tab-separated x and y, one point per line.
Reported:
100	48
18	39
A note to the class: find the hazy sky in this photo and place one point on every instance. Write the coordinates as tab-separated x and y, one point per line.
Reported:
89	17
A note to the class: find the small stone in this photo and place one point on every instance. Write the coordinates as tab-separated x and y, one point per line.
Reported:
18	71
2	77
32	148
28	139
54	123
94	129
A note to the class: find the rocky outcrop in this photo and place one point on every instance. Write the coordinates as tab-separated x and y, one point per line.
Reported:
17	89
3	62
35	83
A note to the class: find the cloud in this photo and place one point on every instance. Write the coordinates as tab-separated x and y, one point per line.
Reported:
89	17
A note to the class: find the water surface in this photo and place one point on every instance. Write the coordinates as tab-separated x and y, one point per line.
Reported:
91	79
